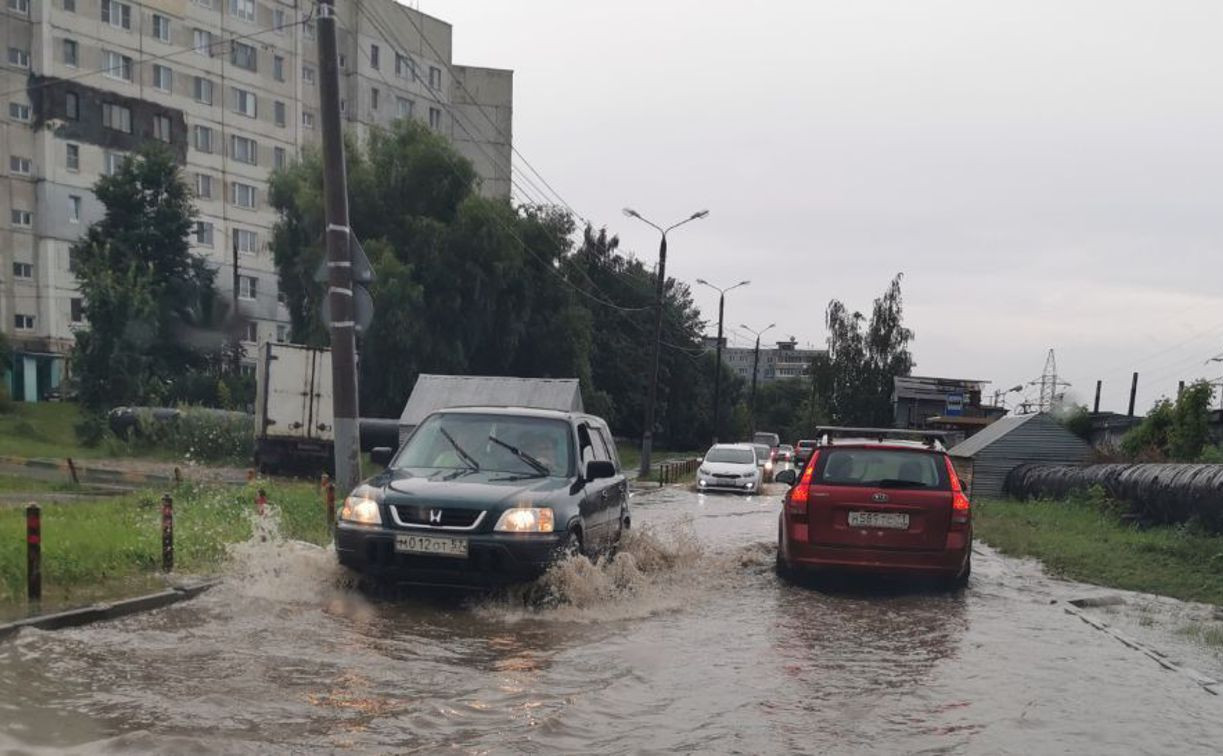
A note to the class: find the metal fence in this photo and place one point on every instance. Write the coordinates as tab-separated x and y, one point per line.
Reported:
674	471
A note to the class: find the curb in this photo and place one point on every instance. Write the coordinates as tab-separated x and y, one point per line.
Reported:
97	475
107	610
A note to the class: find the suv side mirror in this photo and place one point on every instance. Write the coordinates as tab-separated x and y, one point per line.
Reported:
381	455
788	476
597	469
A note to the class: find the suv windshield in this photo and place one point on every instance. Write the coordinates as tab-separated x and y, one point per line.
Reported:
461	441
895	468
735	456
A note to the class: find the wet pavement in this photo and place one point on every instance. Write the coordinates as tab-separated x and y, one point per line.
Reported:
686	642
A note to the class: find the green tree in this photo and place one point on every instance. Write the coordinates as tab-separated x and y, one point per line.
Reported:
1173	430
1076	419
146	293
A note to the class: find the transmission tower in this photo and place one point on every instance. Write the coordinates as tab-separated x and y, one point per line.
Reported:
1050	394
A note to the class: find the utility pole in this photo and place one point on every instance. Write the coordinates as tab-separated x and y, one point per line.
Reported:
1096	408
343	327
1133	393
717	368
647	436
751	410
237	321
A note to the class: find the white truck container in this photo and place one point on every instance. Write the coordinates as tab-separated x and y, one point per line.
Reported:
293	411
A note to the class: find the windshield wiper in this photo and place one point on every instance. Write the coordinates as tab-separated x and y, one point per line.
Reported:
539	467
470	460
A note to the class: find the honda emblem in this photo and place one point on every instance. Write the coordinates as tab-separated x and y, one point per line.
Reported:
880	498
435	517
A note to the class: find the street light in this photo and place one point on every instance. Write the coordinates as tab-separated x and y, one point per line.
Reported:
755	367
717	368
647	438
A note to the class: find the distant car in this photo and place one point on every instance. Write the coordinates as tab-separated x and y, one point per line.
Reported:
876	505
481	496
730	467
764	460
765	437
784	453
802	451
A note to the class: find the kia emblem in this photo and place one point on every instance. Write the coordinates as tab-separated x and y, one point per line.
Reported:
880	498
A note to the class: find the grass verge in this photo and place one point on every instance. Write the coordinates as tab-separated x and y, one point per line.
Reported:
1083	539
118	540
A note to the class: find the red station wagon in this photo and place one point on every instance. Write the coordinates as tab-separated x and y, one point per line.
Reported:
869	501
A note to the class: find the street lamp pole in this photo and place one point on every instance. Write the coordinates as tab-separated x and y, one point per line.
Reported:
751	412
647	437
717	368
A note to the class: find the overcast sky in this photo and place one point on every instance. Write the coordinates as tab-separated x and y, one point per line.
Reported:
1046	174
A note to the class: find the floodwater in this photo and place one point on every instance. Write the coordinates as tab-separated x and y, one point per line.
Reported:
687	642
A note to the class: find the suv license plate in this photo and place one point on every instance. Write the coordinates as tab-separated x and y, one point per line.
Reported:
431	545
890	520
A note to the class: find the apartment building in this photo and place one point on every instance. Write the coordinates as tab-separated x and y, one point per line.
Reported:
785	360
231	87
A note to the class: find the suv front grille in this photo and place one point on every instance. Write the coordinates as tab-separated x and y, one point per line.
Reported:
436	517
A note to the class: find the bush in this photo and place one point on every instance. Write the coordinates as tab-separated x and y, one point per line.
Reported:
198	433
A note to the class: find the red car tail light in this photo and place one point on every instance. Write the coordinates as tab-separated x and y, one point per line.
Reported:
796	502
961	507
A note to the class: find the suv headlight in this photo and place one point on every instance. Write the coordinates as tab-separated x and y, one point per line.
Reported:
361	506
526	520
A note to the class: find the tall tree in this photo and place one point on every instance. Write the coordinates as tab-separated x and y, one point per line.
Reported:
144	290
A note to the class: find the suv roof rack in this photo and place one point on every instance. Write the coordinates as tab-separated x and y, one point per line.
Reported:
932	439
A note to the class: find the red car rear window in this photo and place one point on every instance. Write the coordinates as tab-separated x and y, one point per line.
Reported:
882	468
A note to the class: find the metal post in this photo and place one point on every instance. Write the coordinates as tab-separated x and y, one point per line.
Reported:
1180	389
33	553
717	373
167	533
751	413
339	258
647	437
1096	409
236	344
76	480
330	507
261	502
1133	393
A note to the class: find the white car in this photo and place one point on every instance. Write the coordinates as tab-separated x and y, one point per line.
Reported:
729	467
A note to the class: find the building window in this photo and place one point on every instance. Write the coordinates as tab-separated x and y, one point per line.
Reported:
19	165
279	157
21	6
244	102
248	287
74	208
117	65
278	68
112	162
405	107
308	74
23	218
243	195
435	77
23	270
244	56
72	106
308	29
18	57
435	118
117	14
405	68
282	333
280	112
373	98
71	53
373	57
117	117
161	27
201	40
73	157
243	9
246	241
203	233
278	20
307	119
252	328
70	6
18	111
71	261
244	150
203	139
343	105
23	322
161	127
76	310
201	89
203	3
163	78
203	186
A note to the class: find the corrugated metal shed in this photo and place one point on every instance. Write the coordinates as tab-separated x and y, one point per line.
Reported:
434	392
985	459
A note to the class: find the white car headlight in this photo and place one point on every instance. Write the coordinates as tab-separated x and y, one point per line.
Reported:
526	520
361	507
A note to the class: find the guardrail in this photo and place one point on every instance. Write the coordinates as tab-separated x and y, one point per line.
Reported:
673	471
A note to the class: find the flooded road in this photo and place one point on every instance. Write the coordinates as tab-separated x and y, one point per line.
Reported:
688	642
